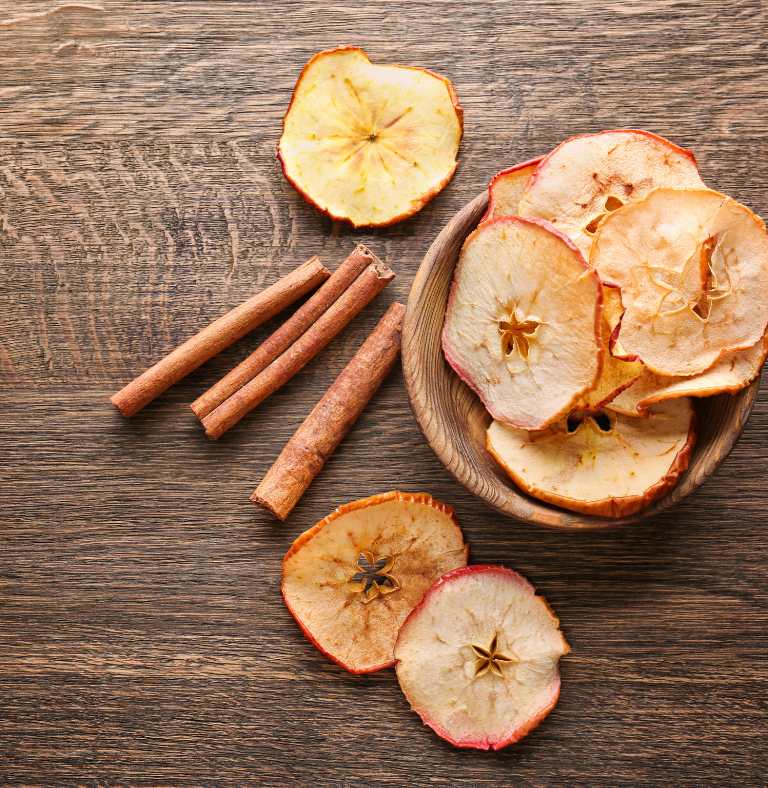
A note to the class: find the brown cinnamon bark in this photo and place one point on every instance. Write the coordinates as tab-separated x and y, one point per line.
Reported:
218	335
372	281
287	334
332	418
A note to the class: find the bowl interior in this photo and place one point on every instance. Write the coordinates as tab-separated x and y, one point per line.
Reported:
454	421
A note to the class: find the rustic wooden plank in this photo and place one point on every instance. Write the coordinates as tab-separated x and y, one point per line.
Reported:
149	610
143	639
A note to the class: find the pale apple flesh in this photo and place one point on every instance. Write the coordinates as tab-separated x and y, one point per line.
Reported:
693	270
609	472
507	188
729	374
369	144
478	659
587	178
351	580
523	323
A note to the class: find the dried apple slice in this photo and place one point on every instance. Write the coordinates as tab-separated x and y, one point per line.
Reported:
522	327
618	374
693	271
586	178
729	374
608	469
478	658
369	144
507	188
351	580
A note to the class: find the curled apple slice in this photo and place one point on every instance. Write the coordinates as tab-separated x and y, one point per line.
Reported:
351	580
729	374
586	178
617	374
522	327
478	658
693	270
609	465
369	144
507	188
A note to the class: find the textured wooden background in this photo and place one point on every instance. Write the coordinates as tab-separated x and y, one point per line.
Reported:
143	639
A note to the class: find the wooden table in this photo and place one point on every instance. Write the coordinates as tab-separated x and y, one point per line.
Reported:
144	641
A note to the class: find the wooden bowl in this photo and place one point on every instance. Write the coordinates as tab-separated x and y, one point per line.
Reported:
454	421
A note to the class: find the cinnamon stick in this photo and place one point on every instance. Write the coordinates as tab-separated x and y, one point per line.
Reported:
287	334
372	281
332	418
218	335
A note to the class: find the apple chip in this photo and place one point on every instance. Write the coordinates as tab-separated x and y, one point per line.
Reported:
369	144
693	271
608	465
506	189
478	659
587	178
617	373
729	374
351	580
522	327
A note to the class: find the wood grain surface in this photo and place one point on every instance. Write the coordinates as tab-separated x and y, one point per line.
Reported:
143	638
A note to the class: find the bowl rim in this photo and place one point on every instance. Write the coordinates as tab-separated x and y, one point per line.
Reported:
508	498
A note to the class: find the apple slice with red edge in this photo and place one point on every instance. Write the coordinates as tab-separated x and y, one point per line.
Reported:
369	144
693	270
351	580
507	188
478	658
523	322
729	374
606	464
586	178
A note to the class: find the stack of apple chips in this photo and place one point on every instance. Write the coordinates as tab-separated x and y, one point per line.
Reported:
604	288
